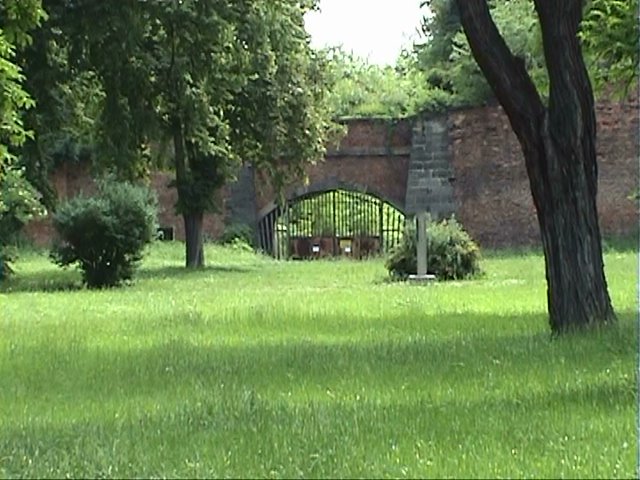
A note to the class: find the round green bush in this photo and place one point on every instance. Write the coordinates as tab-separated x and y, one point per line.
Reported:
451	253
105	234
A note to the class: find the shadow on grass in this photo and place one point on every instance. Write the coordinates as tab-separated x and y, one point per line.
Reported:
460	356
629	243
249	423
621	244
44	282
457	387
69	280
175	271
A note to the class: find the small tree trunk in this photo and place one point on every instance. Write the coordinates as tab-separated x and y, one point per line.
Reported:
193	229
193	221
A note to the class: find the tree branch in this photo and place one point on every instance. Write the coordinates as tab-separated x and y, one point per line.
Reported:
571	100
505	73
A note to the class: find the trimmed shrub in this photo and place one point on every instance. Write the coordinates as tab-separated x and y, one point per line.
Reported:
105	234
451	253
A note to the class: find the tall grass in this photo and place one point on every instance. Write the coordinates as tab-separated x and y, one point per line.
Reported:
258	368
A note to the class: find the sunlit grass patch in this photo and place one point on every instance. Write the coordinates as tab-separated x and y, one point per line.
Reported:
259	368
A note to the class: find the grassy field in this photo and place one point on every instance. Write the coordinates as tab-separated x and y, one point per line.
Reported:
258	368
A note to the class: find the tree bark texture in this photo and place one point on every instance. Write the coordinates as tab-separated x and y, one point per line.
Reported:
558	142
194	239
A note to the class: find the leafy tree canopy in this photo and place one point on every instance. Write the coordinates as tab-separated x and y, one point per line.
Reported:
18	200
361	89
610	37
218	82
17	19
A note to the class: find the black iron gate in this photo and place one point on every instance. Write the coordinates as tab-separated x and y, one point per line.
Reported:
333	223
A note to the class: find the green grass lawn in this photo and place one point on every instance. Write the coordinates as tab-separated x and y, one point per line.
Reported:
259	368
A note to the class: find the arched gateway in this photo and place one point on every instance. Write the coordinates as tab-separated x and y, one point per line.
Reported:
355	201
335	222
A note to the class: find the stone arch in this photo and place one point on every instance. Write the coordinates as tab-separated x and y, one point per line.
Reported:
327	185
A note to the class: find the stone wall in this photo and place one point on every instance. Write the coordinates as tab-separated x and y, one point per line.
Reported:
430	175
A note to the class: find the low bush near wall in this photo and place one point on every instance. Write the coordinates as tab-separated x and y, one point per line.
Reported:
237	233
451	253
105	234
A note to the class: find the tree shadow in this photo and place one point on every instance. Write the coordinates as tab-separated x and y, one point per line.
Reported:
175	271
360	380
69	280
43	282
452	359
621	244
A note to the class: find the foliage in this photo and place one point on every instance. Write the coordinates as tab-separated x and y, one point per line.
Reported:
451	253
65	122
219	81
105	234
611	35
237	232
19	204
62	122
361	89
18	200
17	19
445	57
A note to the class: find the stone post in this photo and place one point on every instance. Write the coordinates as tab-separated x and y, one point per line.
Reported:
421	250
422	244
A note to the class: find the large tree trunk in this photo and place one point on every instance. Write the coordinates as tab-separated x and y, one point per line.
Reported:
194	239
558	143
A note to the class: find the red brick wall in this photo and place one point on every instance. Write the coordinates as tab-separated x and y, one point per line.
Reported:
167	198
375	133
491	190
372	156
71	180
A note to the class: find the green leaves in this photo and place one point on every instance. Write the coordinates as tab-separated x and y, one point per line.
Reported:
446	57
19	203
360	89
18	200
106	234
611	35
13	101
18	17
